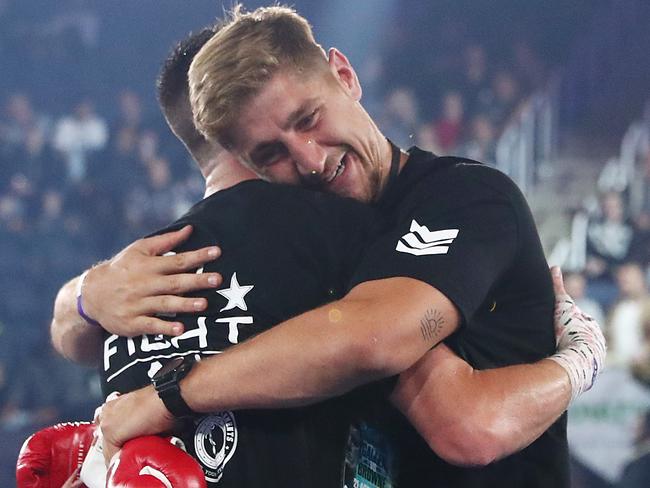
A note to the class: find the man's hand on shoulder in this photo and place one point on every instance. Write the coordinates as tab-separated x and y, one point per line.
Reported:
125	293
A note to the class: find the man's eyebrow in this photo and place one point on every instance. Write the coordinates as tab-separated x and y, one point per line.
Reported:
299	112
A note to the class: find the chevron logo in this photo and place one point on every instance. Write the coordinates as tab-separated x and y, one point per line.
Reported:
420	241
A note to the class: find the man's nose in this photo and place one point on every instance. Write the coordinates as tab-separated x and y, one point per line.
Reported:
309	157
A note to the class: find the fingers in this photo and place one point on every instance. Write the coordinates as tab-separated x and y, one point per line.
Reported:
187	260
73	481
175	263
160	244
167	305
558	282
179	284
109	451
155	326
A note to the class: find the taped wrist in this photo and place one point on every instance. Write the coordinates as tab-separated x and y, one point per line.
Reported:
581	345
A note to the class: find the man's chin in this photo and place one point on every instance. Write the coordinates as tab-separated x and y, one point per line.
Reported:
360	194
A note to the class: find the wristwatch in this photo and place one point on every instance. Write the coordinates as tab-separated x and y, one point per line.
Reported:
165	381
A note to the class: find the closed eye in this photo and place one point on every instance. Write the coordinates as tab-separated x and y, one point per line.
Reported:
308	121
268	155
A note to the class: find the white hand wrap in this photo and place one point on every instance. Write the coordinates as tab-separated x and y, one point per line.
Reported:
581	345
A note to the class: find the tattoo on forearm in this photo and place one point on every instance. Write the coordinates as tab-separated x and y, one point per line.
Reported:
431	325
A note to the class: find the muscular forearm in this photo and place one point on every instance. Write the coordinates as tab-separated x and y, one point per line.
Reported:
473	417
324	352
72	336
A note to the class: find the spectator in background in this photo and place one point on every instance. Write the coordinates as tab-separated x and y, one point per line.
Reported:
372	72
26	161
641	364
124	143
625	328
636	473
426	139
21	198
503	98
21	123
65	233
23	143
126	129
475	78
448	127
608	243
78	136
640	203
130	114
528	66
12	217
400	118
481	146
129	126
121	166
28	392
576	284
158	199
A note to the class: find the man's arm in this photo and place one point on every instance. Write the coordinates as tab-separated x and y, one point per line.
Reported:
472	417
297	363
118	281
378	330
317	355
73	337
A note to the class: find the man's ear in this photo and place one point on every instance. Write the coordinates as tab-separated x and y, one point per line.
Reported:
344	73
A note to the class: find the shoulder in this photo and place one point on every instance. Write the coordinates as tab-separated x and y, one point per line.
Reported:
303	205
466	178
261	208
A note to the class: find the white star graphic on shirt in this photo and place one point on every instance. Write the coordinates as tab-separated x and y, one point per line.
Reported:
235	294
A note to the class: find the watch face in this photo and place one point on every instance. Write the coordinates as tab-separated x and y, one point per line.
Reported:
171	365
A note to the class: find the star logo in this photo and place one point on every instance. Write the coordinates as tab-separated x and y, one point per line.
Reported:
235	294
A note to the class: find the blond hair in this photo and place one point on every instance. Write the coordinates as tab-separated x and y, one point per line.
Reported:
240	58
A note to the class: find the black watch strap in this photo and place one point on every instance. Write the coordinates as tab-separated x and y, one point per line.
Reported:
174	402
166	383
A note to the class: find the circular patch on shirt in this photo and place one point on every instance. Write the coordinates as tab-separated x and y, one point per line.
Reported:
215	441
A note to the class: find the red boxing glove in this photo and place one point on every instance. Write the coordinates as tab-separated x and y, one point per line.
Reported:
153	462
49	457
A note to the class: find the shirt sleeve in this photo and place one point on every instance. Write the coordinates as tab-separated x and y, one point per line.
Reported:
460	245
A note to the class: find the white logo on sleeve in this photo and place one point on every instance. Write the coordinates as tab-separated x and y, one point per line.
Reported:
421	241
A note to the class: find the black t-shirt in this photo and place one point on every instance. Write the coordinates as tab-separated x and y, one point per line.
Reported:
466	229
286	250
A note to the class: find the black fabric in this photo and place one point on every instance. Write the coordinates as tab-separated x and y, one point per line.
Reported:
295	248
493	269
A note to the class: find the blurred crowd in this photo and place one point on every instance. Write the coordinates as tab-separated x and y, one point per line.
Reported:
616	278
608	273
463	109
84	174
74	188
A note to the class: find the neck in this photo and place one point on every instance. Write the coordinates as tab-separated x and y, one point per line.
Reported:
386	157
224	172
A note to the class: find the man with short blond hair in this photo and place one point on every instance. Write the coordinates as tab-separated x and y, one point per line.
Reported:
223	82
458	227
